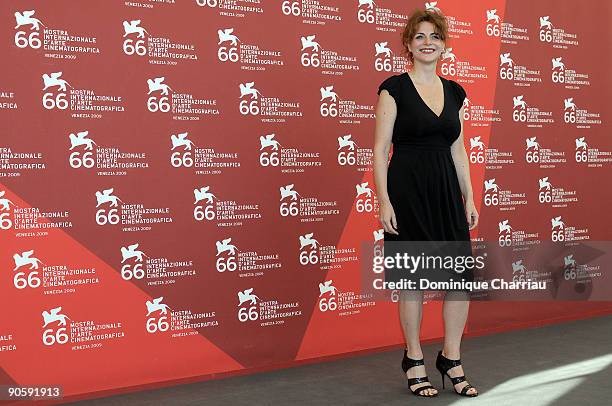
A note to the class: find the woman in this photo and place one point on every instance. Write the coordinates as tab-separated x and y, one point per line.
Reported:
420	191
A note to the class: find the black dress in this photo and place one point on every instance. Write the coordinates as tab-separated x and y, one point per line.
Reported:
422	181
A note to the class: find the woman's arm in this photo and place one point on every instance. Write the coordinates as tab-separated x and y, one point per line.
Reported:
462	167
386	112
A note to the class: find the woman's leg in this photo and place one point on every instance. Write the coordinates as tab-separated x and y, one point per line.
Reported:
455	312
411	314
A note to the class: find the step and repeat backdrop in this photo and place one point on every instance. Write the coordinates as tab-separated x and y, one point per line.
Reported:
185	185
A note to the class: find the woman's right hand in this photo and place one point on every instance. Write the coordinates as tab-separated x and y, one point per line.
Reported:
387	218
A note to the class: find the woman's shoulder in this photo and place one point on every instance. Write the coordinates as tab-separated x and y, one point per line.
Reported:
459	91
393	85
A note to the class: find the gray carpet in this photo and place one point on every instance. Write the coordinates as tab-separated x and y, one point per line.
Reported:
562	364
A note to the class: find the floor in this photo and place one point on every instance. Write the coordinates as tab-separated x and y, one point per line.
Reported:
562	364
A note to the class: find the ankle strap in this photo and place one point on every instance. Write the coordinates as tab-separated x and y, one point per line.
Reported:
413	362
453	362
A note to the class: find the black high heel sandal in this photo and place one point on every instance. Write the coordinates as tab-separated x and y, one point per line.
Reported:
408	363
443	364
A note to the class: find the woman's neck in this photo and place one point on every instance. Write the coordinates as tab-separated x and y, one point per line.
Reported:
424	74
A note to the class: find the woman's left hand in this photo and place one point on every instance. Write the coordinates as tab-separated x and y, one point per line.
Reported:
471	214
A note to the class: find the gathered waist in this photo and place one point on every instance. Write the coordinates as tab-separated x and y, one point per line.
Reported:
420	147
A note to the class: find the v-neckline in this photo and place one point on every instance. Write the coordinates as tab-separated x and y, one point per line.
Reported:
423	101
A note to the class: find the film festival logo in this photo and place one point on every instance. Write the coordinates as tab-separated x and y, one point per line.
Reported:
558	70
310	52
53	100
30	218
532	150
508	236
562	232
593	156
550	34
207	3
135	266
559	197
366	200
477	150
582	149
309	249
59	40
58	332
139	42
249	262
182	158
493	23
208	206
159	322
505	233
293	204
557	227
545	190
161	318
519	271
366	11
345	303
448	63
252	105
508	70
233	7
232	49
133	46
290	207
491	193
386	61
313	55
333	106
257	105
30	277
5	206
327	296
383	63
82	158
311	252
494	196
83	148
581	117
569	110
328	108
535	153
560	74
467	109
251	311
267	158
269	312
110	213
22	38
56	91
226	253
546	29
346	150
159	102
506	67
204	211
230	52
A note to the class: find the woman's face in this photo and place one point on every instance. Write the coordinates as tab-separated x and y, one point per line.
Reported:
426	46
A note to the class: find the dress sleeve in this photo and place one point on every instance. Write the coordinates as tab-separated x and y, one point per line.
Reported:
459	91
391	85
